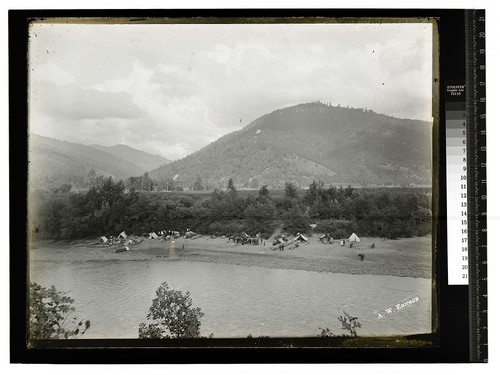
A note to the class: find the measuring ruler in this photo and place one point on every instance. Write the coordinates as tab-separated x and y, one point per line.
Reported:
465	123
456	182
475	65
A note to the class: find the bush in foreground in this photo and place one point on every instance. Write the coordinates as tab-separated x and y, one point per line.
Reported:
171	316
349	323
50	315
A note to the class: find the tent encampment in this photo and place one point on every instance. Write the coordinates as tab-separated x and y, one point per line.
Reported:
354	238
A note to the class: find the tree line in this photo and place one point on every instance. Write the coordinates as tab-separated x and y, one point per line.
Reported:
108	208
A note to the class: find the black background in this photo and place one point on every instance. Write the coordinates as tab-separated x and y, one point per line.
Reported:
450	343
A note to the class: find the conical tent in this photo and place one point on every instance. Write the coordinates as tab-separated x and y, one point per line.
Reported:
300	237
354	238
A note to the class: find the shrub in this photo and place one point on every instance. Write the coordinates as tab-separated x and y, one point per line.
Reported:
50	315
171	316
349	323
325	332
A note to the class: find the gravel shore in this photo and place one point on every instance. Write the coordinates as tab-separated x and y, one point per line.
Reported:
410	257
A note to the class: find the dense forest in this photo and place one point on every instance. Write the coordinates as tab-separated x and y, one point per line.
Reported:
109	207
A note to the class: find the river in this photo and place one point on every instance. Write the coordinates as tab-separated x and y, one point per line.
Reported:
237	300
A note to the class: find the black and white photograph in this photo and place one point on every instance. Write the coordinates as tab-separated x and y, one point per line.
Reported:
193	178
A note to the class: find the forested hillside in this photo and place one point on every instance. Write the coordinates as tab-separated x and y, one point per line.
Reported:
145	160
53	163
311	141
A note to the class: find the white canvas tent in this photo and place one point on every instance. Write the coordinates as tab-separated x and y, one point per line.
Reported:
104	239
300	237
123	235
354	238
153	236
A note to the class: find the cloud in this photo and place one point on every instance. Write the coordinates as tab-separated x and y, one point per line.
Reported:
172	89
52	73
178	115
74	102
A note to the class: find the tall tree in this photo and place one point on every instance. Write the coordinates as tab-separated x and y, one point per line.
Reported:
147	182
313	193
291	191
263	192
230	186
198	185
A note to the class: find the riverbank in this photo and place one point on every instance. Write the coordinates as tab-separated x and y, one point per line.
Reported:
408	257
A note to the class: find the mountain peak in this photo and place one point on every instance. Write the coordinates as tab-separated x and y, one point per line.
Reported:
313	141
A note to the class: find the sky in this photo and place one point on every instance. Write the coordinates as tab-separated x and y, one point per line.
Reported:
171	89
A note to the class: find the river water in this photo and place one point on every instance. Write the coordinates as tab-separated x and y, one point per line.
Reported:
237	300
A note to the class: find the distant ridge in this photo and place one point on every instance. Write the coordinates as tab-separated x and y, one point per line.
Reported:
53	162
143	159
312	141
